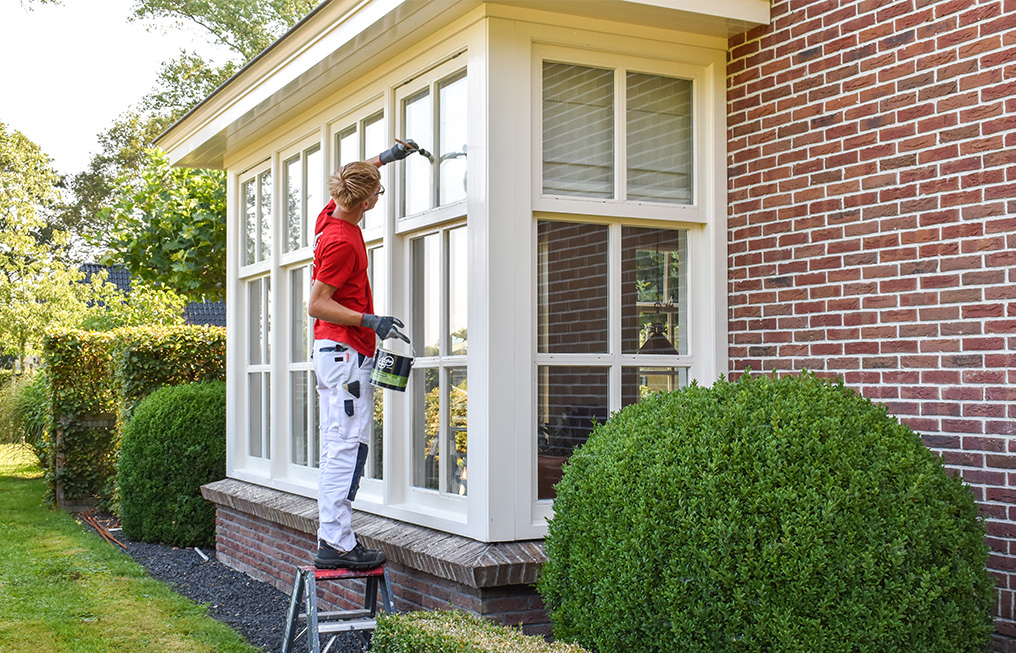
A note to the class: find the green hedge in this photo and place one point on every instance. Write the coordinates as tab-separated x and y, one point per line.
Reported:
769	514
174	443
96	379
455	632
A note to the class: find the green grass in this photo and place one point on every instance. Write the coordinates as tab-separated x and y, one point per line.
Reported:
63	589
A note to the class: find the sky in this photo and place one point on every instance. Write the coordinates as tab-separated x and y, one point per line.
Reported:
70	70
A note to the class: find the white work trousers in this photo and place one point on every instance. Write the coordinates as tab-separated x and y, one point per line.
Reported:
347	408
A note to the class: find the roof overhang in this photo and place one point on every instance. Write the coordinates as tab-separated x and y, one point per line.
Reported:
342	39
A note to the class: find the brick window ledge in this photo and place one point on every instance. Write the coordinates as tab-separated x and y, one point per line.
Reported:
452	557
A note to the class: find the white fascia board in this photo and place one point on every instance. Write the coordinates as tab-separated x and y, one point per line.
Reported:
202	137
749	11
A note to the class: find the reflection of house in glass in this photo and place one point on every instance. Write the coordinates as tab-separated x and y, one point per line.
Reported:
560	256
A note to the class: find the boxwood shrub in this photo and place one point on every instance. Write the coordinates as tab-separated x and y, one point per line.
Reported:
174	443
771	514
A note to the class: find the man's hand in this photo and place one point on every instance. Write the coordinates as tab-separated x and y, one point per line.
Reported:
399	151
384	326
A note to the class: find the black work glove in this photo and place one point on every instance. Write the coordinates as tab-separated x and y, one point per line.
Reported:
399	151
384	326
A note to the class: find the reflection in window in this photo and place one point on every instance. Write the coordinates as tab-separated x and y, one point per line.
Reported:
303	177
377	271
258	366
438	386
360	141
436	117
659	139
637	383
427	389
578	130
654	291
452	116
572	400
419	126
458	292
257	218
458	401
572	288
304	447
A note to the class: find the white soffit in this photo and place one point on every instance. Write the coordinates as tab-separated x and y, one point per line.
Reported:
342	39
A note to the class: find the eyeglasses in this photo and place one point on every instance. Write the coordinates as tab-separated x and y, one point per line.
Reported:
380	192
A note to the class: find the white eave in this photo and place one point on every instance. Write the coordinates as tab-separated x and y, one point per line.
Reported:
341	39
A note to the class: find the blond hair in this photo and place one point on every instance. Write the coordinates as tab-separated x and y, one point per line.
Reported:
354	183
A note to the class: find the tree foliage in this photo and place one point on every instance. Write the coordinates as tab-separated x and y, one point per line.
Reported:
245	32
169	228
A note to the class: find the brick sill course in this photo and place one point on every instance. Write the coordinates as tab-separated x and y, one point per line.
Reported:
452	557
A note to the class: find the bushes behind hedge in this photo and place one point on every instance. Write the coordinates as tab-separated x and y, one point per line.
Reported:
765	515
174	443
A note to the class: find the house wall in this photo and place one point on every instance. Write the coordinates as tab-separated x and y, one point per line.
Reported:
872	223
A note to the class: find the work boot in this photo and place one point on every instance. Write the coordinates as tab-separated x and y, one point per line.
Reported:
328	557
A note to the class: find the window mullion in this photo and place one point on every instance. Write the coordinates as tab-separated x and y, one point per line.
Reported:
620	135
614	295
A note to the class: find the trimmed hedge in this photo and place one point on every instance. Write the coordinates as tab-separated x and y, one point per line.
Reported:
173	444
764	515
454	631
96	379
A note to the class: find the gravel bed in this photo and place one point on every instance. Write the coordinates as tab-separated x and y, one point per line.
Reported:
251	607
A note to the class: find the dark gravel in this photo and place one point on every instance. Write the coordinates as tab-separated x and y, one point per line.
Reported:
253	608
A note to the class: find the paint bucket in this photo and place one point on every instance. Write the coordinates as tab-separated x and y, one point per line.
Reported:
391	370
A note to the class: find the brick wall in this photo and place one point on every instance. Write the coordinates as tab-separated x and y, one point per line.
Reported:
872	190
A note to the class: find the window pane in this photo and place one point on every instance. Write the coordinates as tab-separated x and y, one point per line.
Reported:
578	130
457	413
458	291
452	129
419	122
377	443
378	275
426	427
293	180
254	416
347	147
250	212
374	141
637	383
659	139
572	288
427	295
315	410
255	327
572	400
298	416
299	287
266	298
265	217
314	185
654	291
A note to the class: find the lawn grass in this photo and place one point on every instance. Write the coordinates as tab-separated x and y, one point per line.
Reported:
63	589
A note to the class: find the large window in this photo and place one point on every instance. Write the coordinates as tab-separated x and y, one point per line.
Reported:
361	140
258	368
303	410
440	387
302	177
435	116
257	218
585	119
611	328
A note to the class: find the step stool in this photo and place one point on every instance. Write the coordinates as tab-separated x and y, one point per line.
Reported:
361	622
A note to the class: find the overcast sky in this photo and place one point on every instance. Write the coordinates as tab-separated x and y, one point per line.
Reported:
69	70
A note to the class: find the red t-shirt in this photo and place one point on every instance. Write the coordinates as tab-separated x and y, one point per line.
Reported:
340	260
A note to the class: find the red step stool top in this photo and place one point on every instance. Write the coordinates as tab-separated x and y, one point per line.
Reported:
326	574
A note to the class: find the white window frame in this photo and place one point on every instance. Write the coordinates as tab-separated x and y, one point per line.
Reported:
358	119
301	150
431	81
619	205
443	362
